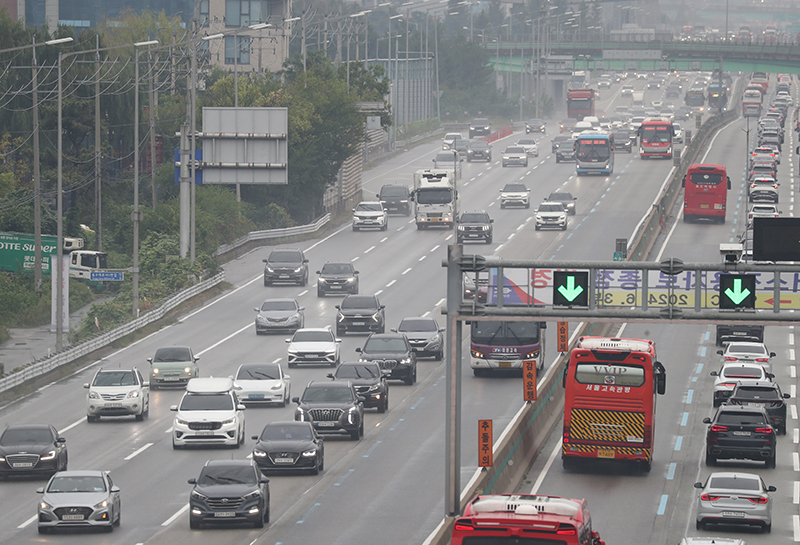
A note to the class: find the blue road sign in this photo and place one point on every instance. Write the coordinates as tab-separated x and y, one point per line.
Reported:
107	276
198	172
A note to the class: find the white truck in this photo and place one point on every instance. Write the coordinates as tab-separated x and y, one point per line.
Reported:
435	198
637	100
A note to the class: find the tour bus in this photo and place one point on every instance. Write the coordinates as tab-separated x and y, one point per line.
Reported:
705	192
525	518
610	401
655	138
498	345
594	153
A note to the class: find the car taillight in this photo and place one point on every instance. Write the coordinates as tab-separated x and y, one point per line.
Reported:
763	430
759	500
463	526
763	360
731	358
717	427
728	384
708	497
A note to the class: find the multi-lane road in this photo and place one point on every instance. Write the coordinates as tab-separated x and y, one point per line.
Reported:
389	487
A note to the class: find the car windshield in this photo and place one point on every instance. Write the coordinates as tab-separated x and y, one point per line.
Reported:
258	372
77	484
479	144
358	371
536	122
328	394
480	121
365	302
621	136
392	344
444	158
26	436
514	149
306	336
394	191
560	197
552	207
743	372
739	348
526	142
115	378
417	324
337	268
206	402
284	256
474	218
279	305
369	207
285	431
740	419
756	393
176	353
738	482
515	188
221	474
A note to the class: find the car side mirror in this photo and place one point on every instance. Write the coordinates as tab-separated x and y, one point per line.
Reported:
86	385
61	440
393	330
240	407
330	376
491	221
442	330
256	309
337	340
714	374
719	352
787	396
698	485
196	358
192	481
772	354
296	400
384	306
377	196
355	272
264	260
173	408
150	360
771	489
706	420
361	399
287	340
263	480
358	349
336	307
40	490
115	489
318	272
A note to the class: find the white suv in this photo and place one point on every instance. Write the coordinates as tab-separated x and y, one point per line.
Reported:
551	214
370	214
209	414
117	392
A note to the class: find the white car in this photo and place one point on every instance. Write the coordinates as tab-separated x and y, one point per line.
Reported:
677	133
551	214
734	373
209	413
530	146
763	211
313	345
604	83
747	352
117	392
627	90
368	214
262	383
515	194
450	138
515	155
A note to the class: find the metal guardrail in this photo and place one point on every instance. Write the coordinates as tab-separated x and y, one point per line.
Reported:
99	341
273	233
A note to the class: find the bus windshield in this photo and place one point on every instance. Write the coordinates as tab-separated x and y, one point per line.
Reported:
705	178
505	333
656	135
598	150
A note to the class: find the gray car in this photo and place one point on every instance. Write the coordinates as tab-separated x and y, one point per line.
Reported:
282	314
424	335
172	366
83	499
734	498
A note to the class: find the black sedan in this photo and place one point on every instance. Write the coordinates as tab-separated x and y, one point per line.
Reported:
393	353
369	381
360	313
229	491
32	449
289	446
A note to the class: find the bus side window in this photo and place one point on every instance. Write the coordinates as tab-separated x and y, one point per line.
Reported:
729	181
660	378
564	376
683	182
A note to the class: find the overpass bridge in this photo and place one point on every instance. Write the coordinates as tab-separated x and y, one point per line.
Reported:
653	55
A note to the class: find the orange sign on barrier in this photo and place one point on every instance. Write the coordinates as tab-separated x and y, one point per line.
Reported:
485	438
529	380
563	336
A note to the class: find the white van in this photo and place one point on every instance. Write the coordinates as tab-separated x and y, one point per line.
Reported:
209	414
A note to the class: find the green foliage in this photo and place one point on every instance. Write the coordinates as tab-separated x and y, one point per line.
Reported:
21	306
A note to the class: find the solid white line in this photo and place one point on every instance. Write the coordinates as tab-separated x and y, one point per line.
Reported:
171	519
546	468
406	271
302	293
793	391
355	258
71	426
389	285
791	338
378	292
216	344
134	453
796	527
791	354
169	430
384	239
796	435
792	371
793	410
29	521
796	493
795	461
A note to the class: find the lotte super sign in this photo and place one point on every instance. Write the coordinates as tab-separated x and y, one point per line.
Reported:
485	438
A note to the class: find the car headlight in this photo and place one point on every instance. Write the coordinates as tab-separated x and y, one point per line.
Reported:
361	360
269	269
534	354
229	421
340	317
461	227
538	217
374	388
298	269
253	495
405	361
351	280
477	354
102	505
310	453
292	350
376	316
44	505
300	415
133	394
187	370
259	453
277	387
93	395
197	495
49	456
155	371
260	319
181	422
484	227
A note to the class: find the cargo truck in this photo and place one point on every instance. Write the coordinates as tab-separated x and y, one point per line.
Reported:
17	255
435	198
751	103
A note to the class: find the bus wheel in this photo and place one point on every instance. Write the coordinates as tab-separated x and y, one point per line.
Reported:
568	463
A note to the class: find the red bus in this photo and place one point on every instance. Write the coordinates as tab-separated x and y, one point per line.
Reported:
610	401
580	103
513	519
705	192
655	138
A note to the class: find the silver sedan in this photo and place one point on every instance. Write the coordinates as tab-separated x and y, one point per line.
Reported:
734	498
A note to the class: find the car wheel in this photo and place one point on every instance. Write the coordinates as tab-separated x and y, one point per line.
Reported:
459	240
527	205
355	228
108	529
439	356
700	525
502	206
557	159
267	282
767	527
315	469
782	429
355	435
43	530
194	524
336	362
92	419
770	462
320	293
119	517
384	404
139	417
259	522
503	164
489	240
710	460
340	331
564	228
478	372
538	227
717	402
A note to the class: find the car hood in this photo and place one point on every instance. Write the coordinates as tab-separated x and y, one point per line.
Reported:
61	499
28	448
383	355
173	365
363	381
283	265
278	314
288	445
368	213
550	214
357	311
513	193
513	154
116	390
420	335
312	346
204	416
225	490
336	276
257	384
326	405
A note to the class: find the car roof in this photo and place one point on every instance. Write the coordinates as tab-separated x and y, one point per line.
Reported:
28	427
328	329
387	336
209	385
727	408
230	462
82	473
280	300
329	384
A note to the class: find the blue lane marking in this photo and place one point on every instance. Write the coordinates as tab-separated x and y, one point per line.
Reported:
699	366
569	236
708	334
308	513
662	507
414	406
671	471
349	471
559	248
401	419
689	397
679	442
703	352
592	210
694	379
684	419
373	447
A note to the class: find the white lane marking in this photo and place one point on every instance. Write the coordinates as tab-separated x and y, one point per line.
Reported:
406	271
389	285
791	354
796	493
792	371
511	236
216	344
793	410
378	292
795	461
302	293
28	522
793	391
441	302
421	258
448	237
519	228
796	435
435	248
791	338
796	527
277	360
384	239
368	250
171	519
355	258
168	430
71	426
139	451
546	468
427	313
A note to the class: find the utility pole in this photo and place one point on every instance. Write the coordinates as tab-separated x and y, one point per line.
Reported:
151	95
37	183
98	178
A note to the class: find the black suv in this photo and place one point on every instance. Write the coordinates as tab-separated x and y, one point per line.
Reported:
535	125
566	199
565	151
395	198
767	394
739	332
332	407
337	278
286	265
229	491
368	380
393	353
479	149
622	141
360	313
474	226
740	432
480	127
558	139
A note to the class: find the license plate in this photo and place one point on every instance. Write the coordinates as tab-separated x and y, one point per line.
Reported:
733	514
171	379
225	514
113	405
22	464
742	433
359	323
284	461
504	364
605	453
473	235
435	219
204	432
284	276
326	424
72	517
336	287
703	206
256	396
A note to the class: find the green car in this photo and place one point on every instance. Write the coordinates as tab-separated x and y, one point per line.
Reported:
172	366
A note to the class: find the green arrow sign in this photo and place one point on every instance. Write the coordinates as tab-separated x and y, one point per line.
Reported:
737	294
571	291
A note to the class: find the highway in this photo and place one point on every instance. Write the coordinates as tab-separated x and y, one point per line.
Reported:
388	487
659	507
